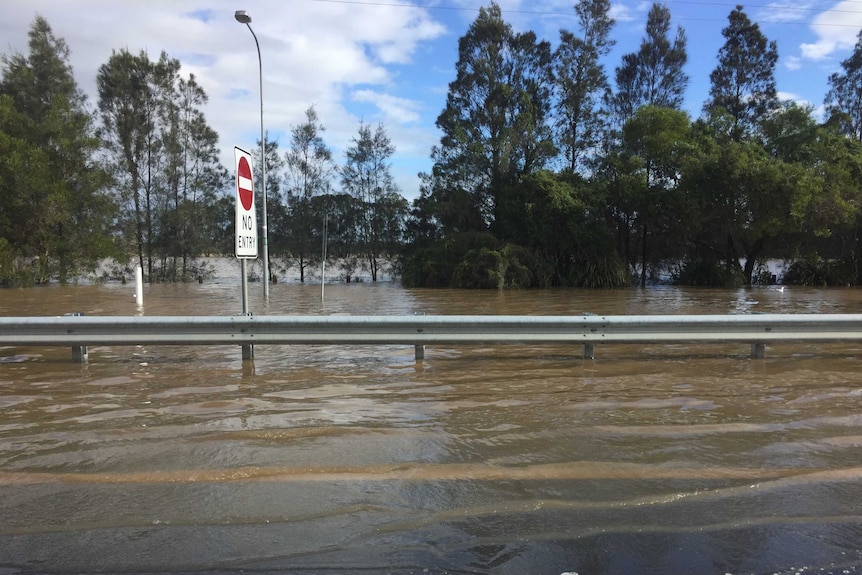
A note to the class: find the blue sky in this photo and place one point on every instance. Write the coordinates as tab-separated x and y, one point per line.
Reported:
391	61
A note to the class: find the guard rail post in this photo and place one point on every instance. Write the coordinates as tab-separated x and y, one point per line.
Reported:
80	354
247	350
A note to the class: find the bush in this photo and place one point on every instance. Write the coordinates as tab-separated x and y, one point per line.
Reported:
435	265
493	269
816	271
601	272
707	273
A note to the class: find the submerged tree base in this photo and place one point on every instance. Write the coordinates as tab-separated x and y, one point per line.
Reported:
481	261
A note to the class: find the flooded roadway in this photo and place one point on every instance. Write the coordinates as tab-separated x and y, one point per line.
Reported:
492	459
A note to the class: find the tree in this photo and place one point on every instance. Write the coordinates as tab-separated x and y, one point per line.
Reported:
309	170
366	175
194	175
743	83
278	228
652	76
62	217
128	101
163	157
826	210
581	83
844	99
495	124
656	142
744	199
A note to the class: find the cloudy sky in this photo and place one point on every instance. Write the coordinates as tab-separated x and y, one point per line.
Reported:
391	61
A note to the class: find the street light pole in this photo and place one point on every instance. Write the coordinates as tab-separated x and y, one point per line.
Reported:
243	17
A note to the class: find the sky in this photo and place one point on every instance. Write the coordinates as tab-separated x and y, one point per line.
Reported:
391	61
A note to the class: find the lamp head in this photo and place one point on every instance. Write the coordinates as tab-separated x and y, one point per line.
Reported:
242	17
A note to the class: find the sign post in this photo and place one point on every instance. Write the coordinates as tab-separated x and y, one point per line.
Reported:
245	242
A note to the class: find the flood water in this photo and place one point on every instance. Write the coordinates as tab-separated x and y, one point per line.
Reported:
509	459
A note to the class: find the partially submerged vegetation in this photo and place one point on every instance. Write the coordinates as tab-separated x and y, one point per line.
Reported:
547	172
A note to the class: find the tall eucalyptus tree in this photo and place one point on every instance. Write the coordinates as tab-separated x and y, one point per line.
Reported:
743	84
581	84
54	211
844	99
654	75
651	84
367	176
496	121
309	172
163	155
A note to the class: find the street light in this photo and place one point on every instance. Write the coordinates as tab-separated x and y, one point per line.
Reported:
243	17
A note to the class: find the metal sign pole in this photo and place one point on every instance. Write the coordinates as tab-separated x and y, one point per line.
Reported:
247	350
245	243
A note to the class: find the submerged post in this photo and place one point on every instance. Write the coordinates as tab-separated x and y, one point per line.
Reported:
419	348
247	350
758	350
79	352
139	286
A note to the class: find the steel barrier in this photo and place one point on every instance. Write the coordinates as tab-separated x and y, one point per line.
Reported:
79	331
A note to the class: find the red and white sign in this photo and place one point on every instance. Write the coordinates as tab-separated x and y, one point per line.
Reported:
246	217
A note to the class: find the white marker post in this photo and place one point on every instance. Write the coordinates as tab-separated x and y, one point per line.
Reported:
246	227
139	286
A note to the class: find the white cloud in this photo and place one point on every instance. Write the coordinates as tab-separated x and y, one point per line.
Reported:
395	109
793	63
317	53
784	12
836	29
377	61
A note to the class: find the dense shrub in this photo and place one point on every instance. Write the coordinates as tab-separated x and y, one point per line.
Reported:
707	273
816	271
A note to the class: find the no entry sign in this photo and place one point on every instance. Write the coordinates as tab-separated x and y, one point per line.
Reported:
246	218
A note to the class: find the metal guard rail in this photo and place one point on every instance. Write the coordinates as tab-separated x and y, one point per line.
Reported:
757	329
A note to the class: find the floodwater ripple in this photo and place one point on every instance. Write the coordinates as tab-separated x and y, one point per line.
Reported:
485	459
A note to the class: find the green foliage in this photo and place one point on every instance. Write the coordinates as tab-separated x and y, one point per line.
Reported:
481	261
750	180
495	123
491	269
602	272
844	99
54	213
163	158
581	84
652	76
367	176
8	273
820	272
656	141
703	273
310	169
743	83
434	265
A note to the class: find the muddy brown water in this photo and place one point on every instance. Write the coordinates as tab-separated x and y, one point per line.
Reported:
479	459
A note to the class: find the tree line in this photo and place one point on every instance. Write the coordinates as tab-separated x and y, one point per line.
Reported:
550	170
550	174
138	179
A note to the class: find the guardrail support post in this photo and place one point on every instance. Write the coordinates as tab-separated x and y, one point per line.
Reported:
247	350
79	352
589	351
758	350
420	348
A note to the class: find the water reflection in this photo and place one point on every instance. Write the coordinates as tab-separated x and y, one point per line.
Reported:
488	459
